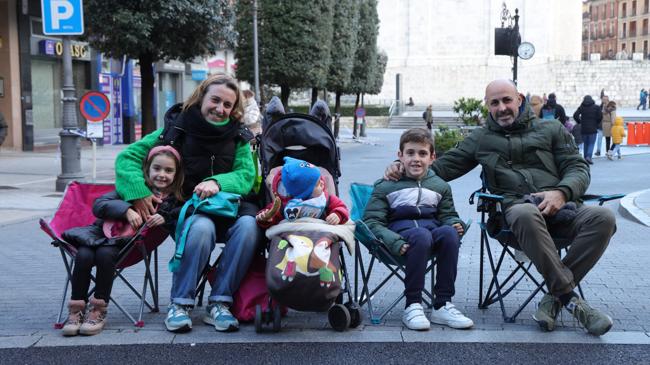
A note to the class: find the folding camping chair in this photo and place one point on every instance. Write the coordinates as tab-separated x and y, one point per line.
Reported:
379	252
75	210
503	282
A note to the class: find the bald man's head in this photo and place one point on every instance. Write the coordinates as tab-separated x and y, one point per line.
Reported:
503	101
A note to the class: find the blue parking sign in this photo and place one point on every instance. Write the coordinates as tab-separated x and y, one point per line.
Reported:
62	17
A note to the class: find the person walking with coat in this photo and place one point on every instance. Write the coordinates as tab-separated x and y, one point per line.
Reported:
643	97
589	116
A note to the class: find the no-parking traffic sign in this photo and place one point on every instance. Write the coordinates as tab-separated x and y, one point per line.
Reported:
95	107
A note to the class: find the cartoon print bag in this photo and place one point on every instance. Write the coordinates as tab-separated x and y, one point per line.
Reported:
303	270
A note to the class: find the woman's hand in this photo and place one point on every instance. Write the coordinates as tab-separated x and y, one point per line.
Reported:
144	207
155	220
394	171
206	189
134	219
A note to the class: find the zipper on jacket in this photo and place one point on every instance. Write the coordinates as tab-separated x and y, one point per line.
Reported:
212	165
417	204
509	162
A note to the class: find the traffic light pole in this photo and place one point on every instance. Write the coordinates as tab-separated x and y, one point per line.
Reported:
70	143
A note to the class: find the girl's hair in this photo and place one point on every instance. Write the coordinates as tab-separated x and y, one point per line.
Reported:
176	187
218	79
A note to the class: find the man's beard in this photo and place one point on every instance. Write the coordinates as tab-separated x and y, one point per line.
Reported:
504	113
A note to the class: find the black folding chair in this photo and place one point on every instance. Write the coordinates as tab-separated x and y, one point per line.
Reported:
504	282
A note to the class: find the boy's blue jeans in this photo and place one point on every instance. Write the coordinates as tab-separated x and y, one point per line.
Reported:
241	244
424	242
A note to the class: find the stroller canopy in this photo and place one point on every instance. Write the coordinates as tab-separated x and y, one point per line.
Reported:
299	136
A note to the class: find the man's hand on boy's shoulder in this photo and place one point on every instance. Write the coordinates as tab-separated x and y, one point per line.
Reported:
394	171
459	228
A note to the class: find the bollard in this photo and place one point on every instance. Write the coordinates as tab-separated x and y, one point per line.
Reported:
631	133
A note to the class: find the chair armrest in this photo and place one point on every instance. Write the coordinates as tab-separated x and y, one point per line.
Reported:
602	198
486	202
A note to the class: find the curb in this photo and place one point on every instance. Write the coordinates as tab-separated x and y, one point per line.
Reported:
629	206
394	335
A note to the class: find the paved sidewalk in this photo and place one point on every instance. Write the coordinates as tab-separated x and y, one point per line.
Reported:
32	270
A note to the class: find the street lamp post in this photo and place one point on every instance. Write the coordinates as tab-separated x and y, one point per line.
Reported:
514	29
255	54
70	141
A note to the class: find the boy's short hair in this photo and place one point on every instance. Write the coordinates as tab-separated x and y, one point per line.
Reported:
416	135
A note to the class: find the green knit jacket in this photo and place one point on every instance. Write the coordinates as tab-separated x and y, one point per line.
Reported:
130	183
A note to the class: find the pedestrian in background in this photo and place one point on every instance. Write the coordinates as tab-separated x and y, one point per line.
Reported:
643	97
552	110
618	132
3	128
536	102
428	117
609	115
252	116
599	137
589	116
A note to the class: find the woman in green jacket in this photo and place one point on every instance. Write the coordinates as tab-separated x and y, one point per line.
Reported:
215	150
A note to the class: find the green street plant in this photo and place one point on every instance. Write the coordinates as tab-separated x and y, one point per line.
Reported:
471	111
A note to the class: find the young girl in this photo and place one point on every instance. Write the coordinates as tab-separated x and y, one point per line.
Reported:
99	244
618	132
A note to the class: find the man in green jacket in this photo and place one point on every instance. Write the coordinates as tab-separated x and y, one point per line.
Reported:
522	156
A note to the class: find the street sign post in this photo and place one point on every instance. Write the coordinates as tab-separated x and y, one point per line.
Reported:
94	106
66	18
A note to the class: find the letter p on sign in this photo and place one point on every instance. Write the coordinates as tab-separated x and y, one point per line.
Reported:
60	10
62	17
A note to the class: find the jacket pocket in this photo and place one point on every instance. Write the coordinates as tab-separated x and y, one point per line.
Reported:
547	160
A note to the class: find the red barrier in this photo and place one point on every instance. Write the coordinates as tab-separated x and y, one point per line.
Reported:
631	134
646	133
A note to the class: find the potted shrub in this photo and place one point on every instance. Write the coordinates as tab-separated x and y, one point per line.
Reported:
471	111
446	139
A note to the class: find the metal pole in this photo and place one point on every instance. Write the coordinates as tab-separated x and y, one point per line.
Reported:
514	66
70	145
255	54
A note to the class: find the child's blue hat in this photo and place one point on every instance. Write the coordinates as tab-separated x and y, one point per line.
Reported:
299	177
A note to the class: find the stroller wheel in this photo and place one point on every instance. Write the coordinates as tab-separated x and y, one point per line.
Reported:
277	318
355	314
258	318
339	317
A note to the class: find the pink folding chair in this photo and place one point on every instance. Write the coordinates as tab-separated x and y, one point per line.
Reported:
75	210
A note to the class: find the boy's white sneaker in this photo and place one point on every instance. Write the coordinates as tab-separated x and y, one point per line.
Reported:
450	316
414	318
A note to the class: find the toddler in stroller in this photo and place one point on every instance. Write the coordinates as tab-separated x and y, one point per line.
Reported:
306	222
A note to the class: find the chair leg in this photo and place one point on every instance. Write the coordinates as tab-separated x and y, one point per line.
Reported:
69	264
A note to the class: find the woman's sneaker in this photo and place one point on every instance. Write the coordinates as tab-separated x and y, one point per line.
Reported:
218	315
414	318
450	316
178	318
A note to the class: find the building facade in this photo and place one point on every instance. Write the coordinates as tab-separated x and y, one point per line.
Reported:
600	29
31	75
633	24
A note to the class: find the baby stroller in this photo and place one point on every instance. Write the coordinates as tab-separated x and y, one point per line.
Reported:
308	138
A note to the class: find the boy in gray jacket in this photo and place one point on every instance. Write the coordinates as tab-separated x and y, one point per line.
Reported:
415	218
